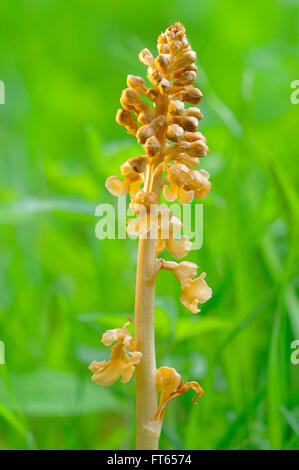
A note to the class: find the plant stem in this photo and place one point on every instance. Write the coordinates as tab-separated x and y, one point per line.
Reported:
145	374
147	437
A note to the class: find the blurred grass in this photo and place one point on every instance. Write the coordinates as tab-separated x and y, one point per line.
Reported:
60	287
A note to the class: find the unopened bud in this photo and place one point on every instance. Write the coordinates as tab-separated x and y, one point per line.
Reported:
192	96
164	86
188	123
163	48
152	146
175	31
190	68
144	118
138	163
163	61
137	83
152	94
185	59
176	107
162	39
195	112
144	133
198	149
186	78
193	136
131	98
147	58
125	118
147	131
175	132
175	46
154	76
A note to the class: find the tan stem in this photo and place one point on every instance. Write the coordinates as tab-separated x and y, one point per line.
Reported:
145	374
147	437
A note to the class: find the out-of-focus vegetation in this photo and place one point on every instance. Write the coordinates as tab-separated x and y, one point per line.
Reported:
64	66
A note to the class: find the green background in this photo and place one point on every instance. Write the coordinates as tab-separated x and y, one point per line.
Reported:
64	65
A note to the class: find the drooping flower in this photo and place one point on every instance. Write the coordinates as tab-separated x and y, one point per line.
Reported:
185	183
195	291
130	184
145	206
178	176
171	385
168	225
122	361
200	184
185	271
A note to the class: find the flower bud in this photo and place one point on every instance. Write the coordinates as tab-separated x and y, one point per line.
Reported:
164	86
125	118
154	76
198	149
188	123
162	39
147	58
137	83
144	133
175	107
183	60
175	46
193	136
186	78
195	112
152	94
162	62
190	68
148	130
163	48
131	98
144	118
188	160
138	163
175	132
192	96
152	146
185	45
176	148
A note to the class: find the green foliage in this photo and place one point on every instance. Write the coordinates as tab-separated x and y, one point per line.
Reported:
64	69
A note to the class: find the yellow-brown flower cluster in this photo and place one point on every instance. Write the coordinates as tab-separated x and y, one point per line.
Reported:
167	129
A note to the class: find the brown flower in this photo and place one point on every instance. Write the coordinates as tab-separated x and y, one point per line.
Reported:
122	361
130	184
171	385
185	183
168	225
195	291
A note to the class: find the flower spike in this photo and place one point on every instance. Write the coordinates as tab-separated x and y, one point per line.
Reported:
163	117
